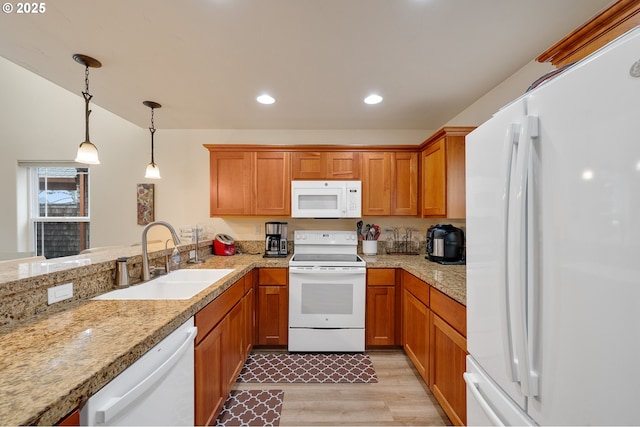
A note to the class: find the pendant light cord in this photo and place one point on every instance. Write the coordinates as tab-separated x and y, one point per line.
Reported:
152	129
87	98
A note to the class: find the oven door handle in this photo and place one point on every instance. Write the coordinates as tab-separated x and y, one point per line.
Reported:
328	271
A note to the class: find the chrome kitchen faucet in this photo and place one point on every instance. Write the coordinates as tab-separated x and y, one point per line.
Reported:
146	275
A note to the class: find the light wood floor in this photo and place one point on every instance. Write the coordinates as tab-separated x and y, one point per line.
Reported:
400	397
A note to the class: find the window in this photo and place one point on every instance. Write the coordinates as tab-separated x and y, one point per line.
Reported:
59	209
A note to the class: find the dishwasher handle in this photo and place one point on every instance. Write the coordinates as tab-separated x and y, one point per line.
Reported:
115	405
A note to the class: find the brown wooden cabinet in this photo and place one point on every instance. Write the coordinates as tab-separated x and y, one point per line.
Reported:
381	326
434	331
271	184
612	22
447	355
220	349
272	307
325	165
443	173
376	184
415	322
389	183
73	419
250	183
404	184
249	307
209	383
230	183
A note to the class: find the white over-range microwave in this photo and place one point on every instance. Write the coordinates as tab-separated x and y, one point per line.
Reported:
326	199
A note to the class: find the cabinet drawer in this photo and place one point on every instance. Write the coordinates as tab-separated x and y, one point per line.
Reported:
451	311
273	276
381	276
417	287
213	313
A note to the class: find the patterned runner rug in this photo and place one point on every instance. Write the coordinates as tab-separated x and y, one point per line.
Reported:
251	408
308	368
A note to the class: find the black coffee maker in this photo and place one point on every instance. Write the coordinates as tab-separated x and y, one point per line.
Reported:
445	244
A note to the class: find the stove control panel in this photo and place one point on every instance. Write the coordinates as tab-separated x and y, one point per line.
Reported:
319	237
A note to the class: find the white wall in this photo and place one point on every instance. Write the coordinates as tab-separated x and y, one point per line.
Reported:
41	121
510	89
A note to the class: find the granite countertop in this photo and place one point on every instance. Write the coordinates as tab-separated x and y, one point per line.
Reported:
450	279
53	362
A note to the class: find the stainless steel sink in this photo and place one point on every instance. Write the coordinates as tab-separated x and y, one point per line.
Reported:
178	284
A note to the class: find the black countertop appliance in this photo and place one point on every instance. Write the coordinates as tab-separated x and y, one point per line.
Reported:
445	244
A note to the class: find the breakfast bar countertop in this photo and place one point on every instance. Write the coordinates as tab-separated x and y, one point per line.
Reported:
53	362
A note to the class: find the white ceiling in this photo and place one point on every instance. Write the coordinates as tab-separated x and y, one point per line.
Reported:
205	61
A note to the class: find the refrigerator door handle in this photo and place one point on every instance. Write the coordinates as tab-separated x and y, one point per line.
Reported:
511	359
518	264
473	385
532	309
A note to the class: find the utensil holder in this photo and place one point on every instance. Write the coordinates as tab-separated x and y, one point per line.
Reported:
370	247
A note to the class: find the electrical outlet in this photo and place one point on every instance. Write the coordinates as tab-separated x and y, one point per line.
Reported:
59	293
192	254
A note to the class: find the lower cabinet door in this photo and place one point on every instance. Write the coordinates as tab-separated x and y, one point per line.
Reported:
448	357
248	307
415	332
380	315
273	315
209	390
233	346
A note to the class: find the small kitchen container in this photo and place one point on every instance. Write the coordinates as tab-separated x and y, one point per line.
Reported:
370	247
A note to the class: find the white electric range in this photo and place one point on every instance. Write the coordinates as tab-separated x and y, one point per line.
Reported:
327	289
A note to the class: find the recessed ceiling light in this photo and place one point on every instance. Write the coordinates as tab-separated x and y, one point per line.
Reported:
373	99
265	99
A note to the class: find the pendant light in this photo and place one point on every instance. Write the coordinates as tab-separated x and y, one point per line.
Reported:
87	152
153	171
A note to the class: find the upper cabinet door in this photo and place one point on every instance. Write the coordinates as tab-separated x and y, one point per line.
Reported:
343	165
271	183
443	173
230	181
404	184
308	165
434	201
325	165
390	183
376	183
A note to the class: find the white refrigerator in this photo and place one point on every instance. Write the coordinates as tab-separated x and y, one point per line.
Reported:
553	250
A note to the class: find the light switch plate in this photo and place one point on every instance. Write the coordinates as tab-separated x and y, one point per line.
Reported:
59	293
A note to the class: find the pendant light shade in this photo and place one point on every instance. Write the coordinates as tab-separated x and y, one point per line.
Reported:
153	171
87	152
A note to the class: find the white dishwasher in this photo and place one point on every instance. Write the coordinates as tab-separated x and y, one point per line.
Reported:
158	389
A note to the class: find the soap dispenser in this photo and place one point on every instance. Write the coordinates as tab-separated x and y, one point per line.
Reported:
175	259
122	273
